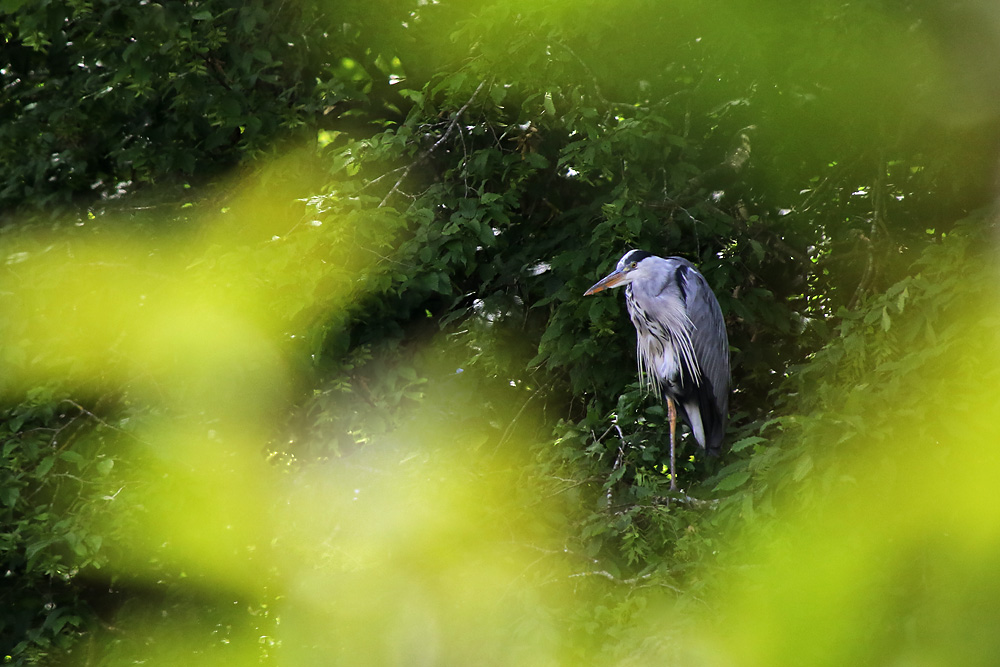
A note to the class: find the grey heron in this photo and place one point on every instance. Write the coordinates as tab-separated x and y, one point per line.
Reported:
682	346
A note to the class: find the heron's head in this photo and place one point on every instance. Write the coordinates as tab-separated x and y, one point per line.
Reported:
629	268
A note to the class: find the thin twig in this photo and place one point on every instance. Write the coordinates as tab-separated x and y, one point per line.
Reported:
590	74
627	582
570	484
695	502
619	458
102	422
444	137
508	432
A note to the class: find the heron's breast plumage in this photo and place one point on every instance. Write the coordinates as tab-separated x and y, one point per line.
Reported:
664	349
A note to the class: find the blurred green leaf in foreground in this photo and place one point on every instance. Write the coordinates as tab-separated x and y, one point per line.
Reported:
347	405
431	547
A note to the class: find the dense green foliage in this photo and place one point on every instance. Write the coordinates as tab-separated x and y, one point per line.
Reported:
267	259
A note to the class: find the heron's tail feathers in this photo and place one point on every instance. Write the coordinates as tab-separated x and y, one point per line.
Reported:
706	419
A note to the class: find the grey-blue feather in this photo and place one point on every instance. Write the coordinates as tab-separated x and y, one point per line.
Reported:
682	344
711	349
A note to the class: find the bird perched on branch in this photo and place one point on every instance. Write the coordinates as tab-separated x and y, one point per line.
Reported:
682	347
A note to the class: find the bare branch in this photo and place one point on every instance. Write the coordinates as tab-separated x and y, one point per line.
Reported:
627	582
424	155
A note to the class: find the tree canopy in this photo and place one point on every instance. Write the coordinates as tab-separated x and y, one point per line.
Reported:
297	366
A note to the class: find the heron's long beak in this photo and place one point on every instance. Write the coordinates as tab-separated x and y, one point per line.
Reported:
613	279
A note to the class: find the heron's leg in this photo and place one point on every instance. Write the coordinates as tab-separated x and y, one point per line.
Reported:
672	411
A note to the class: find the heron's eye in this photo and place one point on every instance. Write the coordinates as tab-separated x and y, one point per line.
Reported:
631	266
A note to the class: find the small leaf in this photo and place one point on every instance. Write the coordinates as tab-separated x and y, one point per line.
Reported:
596	310
733	481
802	468
497	93
45	465
901	300
34	547
414	95
9	495
550	108
740	445
72	457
